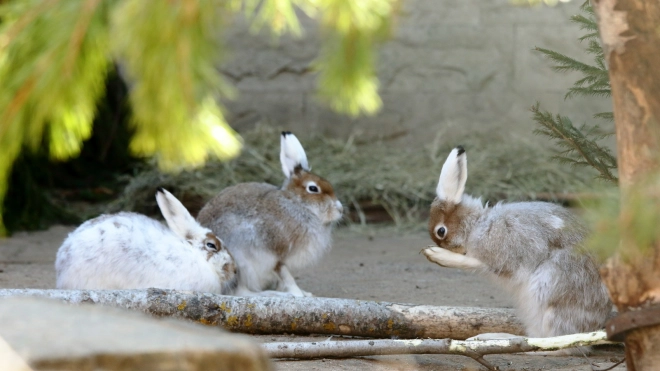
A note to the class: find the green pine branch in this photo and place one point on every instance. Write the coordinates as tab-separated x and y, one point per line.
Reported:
565	63
579	146
605	116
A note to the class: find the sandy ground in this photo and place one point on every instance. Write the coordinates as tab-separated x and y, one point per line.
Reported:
378	264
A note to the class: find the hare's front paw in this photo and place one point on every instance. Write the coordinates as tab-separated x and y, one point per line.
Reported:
446	258
307	294
438	255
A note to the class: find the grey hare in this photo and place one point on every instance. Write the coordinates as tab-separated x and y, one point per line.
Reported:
270	229
531	249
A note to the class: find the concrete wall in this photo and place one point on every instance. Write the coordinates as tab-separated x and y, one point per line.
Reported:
453	66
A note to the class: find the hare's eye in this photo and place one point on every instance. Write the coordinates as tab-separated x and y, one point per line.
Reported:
211	246
313	188
441	232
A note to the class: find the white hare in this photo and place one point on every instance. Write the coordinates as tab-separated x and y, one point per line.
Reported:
131	251
530	248
270	229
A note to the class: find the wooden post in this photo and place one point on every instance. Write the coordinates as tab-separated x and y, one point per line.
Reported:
630	33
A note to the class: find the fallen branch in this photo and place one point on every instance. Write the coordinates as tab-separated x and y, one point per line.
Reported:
474	349
275	315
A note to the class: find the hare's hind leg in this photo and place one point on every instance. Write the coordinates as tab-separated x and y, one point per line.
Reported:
288	283
554	324
446	258
251	284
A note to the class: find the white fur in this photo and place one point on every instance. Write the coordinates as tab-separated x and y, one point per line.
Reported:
131	251
177	217
453	177
556	222
292	154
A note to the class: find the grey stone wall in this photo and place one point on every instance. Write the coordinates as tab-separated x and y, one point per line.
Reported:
453	67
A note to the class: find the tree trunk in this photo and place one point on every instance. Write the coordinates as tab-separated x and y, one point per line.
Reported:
631	41
276	315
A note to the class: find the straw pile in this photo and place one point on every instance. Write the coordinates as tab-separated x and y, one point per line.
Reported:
400	180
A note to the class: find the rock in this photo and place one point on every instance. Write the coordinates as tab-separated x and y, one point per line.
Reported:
48	335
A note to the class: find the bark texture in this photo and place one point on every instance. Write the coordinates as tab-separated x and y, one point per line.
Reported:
266	315
472	348
631	40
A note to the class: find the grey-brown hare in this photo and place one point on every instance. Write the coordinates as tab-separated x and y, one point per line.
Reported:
531	249
270	229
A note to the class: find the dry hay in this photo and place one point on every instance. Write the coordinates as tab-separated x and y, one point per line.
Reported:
401	180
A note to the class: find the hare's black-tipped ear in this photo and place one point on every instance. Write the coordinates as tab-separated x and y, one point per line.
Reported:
177	216
292	154
453	176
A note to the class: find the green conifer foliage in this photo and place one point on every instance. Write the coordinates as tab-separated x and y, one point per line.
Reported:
581	145
53	62
55	56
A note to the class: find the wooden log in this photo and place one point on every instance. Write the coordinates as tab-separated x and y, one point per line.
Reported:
475	349
301	316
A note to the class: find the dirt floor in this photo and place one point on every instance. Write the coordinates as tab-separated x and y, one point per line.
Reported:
379	264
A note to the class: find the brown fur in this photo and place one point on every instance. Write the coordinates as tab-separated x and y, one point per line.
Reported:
297	185
214	239
210	237
450	215
278	267
227	268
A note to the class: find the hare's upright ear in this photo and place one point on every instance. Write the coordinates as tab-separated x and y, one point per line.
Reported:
453	176
177	216
292	154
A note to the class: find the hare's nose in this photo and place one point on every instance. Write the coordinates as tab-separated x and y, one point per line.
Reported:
339	206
